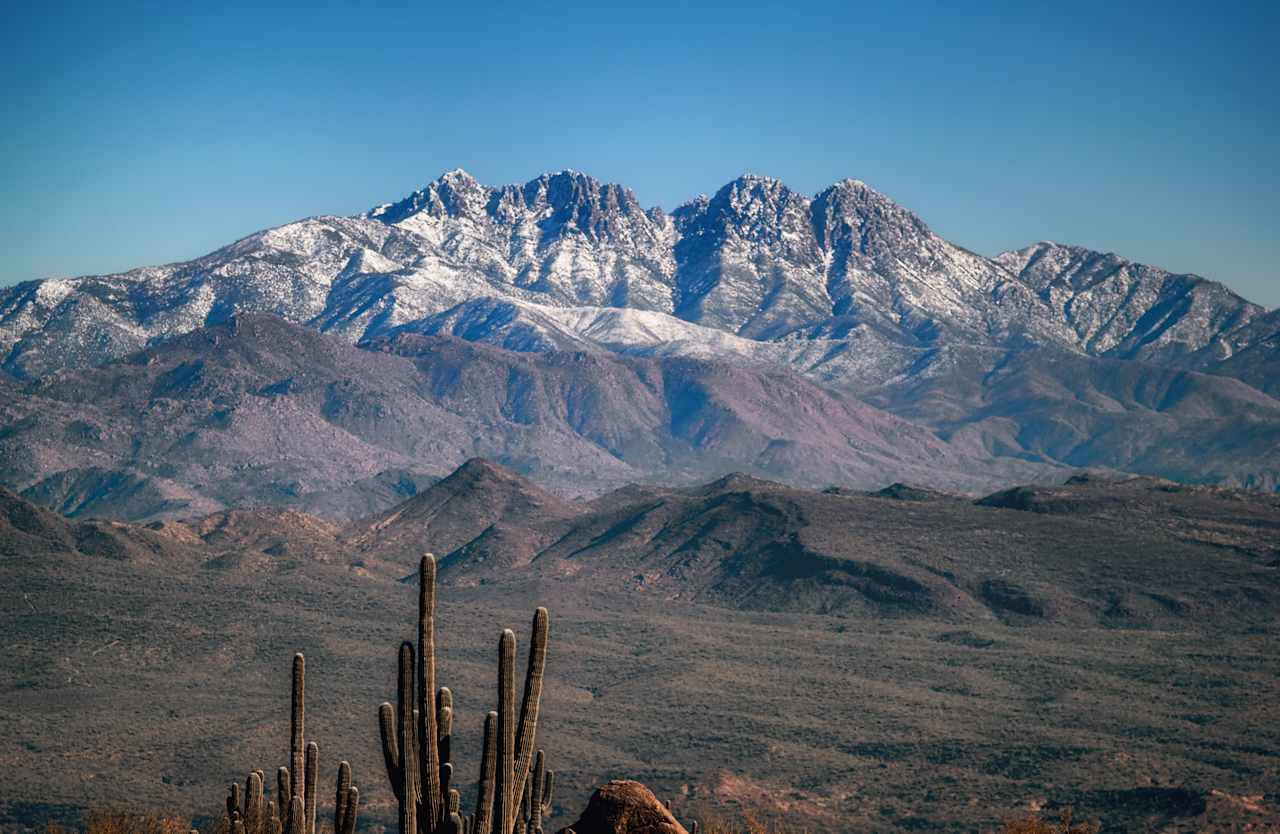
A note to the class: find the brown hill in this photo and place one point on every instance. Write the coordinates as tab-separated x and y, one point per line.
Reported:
260	412
1135	553
478	500
27	529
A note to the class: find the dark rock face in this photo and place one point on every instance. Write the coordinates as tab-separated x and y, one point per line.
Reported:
625	807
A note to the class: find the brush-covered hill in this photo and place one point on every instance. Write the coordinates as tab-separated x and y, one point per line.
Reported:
1171	553
261	412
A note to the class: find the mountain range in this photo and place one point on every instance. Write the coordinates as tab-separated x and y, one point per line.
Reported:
914	354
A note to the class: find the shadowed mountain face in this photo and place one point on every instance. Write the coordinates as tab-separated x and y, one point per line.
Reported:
1030	355
888	642
1134	553
263	412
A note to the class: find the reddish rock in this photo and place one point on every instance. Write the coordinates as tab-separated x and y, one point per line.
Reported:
625	807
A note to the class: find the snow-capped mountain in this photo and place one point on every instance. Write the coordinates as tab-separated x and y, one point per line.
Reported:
755	260
845	286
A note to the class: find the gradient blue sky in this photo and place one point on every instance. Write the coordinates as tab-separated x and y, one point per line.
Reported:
136	134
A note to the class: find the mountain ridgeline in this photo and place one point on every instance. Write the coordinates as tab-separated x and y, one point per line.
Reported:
912	352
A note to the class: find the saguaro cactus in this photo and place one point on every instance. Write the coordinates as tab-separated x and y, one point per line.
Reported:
536	801
482	820
417	731
293	811
346	802
543	784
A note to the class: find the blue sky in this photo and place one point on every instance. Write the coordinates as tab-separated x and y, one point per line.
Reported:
136	134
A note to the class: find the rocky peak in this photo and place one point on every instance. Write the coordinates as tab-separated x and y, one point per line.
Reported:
573	200
852	213
751	208
455	193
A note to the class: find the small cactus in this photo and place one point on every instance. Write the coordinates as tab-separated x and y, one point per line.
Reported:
346	802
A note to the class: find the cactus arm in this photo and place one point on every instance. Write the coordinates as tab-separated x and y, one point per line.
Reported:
353	806
253	802
349	811
536	777
482	822
309	789
297	730
505	796
296	816
429	754
446	781
531	703
340	799
444	732
390	746
283	781
408	795
548	787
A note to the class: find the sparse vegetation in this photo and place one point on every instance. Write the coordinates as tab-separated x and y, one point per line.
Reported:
1034	824
116	822
748	822
943	718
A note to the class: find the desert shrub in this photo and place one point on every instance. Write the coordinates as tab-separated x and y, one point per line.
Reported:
1032	824
114	822
751	822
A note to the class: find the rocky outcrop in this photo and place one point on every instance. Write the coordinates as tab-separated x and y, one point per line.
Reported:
625	807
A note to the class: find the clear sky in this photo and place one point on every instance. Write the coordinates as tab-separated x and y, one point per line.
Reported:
134	134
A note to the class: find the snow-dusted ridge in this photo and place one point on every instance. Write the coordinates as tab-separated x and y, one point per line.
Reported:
1050	354
845	285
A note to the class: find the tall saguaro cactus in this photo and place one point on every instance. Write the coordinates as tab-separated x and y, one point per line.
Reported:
293	811
417	731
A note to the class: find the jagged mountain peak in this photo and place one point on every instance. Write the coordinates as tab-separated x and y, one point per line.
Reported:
751	207
852	207
845	286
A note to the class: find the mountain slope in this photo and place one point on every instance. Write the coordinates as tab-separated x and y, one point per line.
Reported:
845	287
1134	553
263	412
756	259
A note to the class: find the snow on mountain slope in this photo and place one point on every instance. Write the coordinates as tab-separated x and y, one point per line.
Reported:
1118	308
755	260
846	286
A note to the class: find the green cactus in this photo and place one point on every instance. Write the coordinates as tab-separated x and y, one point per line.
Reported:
282	792
253	802
417	732
297	815
346	801
542	783
481	821
293	810
298	714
